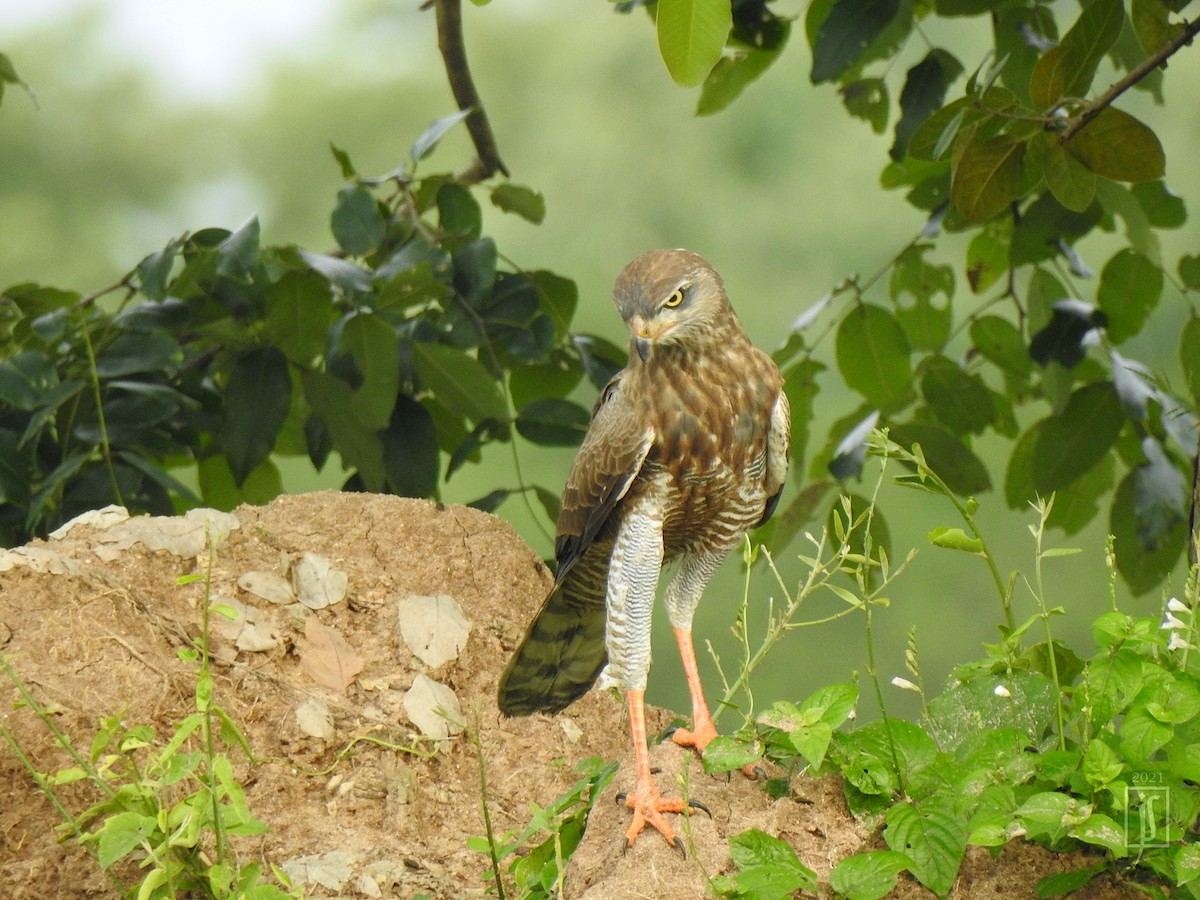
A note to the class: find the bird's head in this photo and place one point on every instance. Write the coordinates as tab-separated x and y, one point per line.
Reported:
669	297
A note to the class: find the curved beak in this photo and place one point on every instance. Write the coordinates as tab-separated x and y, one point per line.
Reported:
646	333
642	346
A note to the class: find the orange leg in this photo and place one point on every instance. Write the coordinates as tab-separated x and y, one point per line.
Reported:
647	803
703	729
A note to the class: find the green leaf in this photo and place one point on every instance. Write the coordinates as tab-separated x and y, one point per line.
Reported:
257	397
988	177
460	382
552	422
1077	504
1072	184
217	486
987	254
357	224
733	73
955	539
1067	70
967	708
1061	883
1130	286
846	32
1151	24
725	753
299	312
370	340
341	273
475	270
1189	355
1189	271
867	99
768	867
525	202
238	253
914	284
343	161
868	876
424	145
931	838
999	341
25	378
873	355
691	36
1118	146
155	270
358	444
1163	208
410	450
1142	566
131	353
923	92
558	297
953	462
122	833
1071	443
960	401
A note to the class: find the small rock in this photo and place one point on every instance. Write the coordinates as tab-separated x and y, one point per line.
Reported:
329	870
433	708
433	628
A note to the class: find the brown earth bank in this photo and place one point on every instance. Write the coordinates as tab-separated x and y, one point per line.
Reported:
360	617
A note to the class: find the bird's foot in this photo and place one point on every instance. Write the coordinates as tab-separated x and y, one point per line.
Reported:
702	736
648	806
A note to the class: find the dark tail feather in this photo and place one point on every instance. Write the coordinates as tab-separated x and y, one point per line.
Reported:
561	656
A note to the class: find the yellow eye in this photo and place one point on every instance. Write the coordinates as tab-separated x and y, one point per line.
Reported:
675	299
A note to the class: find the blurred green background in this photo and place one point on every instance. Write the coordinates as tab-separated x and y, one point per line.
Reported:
155	118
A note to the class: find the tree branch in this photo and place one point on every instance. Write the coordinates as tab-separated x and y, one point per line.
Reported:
1136	74
454	55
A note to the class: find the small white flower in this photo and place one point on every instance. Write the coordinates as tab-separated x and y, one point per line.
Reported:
1170	623
1177	642
1001	691
1175	605
905	684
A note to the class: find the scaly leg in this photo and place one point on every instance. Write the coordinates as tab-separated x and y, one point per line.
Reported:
647	803
703	729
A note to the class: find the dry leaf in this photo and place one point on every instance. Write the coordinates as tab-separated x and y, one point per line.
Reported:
39	559
186	536
315	719
329	870
318	583
327	657
100	519
433	628
267	586
433	708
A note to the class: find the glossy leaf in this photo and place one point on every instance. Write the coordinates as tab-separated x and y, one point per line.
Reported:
1071	443
25	377
358	444
952	460
339	272
459	381
1118	146
357	224
1072	184
768	867
459	214
524	202
732	75
867	876
299	309
429	139
924	90
873	355
257	397
1067	70
131	353
960	401
238	253
155	271
988	177
932	838
1189	356
999	341
1130	286
552	422
475	270
847	30
691	36
410	450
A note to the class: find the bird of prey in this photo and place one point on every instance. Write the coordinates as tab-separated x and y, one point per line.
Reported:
687	450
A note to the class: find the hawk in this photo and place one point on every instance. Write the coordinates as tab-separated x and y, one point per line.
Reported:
687	450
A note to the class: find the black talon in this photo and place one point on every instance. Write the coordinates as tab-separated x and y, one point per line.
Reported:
628	844
679	844
696	804
760	774
621	797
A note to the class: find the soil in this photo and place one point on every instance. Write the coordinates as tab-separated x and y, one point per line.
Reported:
93	621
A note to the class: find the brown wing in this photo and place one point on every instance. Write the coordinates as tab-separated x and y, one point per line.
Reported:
563	650
612	453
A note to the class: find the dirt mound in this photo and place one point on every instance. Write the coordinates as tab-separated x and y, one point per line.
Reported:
360	616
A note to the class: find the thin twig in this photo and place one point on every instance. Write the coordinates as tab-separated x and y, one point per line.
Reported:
454	55
1136	74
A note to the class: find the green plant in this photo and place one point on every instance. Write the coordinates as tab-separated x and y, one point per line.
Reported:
540	850
1031	742
174	806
